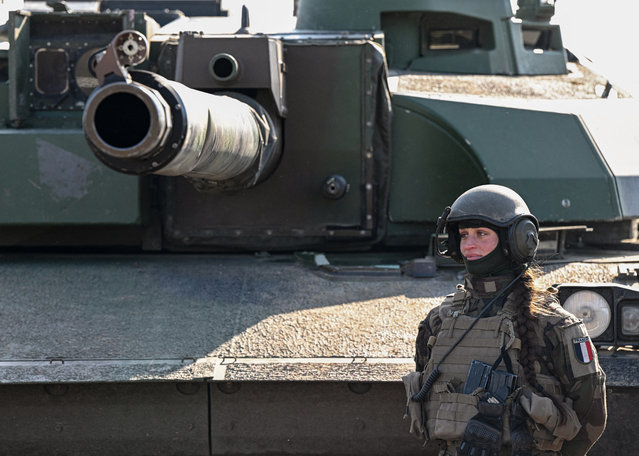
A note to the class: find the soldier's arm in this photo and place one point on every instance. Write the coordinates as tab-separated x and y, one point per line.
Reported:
576	366
590	405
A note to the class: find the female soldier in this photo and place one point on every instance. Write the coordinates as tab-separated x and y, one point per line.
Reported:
503	369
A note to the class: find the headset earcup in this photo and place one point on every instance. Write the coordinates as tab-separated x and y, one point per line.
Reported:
453	244
523	240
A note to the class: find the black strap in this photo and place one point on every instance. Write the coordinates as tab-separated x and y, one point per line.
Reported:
507	361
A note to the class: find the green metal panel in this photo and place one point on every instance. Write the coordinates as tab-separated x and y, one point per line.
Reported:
527	61
431	165
547	157
407	26
19	29
401	38
477	61
76	36
365	14
4	85
4	102
408	32
51	177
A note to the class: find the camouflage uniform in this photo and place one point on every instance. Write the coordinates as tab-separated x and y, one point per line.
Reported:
566	354
558	404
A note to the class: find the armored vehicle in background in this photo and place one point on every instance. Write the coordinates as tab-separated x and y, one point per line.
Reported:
220	242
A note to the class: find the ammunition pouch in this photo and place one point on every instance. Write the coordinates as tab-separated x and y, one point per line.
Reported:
498	383
415	410
448	414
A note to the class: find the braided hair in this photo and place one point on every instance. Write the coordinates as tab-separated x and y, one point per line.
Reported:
524	294
532	301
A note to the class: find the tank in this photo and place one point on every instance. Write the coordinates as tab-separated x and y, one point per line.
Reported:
220	241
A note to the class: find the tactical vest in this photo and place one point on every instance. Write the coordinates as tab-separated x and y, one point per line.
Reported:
447	408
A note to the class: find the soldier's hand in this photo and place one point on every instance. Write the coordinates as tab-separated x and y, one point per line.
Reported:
482	436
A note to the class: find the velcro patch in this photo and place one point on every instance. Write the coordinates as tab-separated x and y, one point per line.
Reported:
578	346
583	349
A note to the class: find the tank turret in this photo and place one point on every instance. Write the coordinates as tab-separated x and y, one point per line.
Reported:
461	37
253	141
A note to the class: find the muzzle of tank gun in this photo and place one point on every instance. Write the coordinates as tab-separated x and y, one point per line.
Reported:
144	123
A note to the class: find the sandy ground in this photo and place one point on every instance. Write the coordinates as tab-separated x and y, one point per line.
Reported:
579	83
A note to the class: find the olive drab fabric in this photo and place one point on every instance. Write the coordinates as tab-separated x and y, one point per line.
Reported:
414	410
567	369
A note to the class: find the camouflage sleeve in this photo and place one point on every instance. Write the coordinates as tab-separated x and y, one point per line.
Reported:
427	327
576	366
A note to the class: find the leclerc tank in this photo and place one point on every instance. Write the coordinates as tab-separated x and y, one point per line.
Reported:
219	241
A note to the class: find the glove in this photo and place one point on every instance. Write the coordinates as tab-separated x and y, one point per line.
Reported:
520	439
482	436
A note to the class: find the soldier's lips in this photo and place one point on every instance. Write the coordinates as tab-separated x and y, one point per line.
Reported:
473	257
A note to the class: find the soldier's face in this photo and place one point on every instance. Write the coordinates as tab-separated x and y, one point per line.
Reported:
477	242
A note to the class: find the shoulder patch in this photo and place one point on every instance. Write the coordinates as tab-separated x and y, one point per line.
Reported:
580	350
583	349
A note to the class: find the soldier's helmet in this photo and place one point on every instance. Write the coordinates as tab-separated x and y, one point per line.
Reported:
499	207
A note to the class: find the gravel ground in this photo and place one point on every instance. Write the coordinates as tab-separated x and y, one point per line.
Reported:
116	318
579	83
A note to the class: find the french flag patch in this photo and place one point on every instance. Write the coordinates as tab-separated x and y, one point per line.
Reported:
583	349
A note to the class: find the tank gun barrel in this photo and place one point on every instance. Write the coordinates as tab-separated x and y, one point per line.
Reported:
139	122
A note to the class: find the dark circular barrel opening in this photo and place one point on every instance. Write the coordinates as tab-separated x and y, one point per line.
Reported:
223	67
122	120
